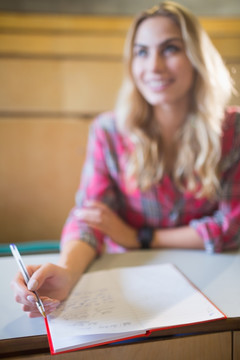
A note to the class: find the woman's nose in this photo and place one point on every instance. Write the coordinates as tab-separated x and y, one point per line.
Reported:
156	62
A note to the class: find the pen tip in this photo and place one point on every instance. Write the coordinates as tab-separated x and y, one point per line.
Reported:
41	310
43	313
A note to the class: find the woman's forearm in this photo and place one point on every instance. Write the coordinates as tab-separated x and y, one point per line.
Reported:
76	256
183	237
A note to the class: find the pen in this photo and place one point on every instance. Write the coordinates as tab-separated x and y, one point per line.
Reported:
26	276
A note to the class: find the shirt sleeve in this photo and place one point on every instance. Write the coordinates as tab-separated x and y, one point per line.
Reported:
221	231
96	183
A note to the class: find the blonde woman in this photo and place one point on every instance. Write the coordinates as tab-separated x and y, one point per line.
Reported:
162	170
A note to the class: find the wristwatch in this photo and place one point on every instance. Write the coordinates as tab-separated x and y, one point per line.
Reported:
145	237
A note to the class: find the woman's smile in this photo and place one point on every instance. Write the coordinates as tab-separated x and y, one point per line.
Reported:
158	85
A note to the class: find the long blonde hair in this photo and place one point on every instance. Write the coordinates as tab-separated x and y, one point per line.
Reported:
199	151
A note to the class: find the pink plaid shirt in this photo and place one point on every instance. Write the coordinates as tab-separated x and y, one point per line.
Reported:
163	205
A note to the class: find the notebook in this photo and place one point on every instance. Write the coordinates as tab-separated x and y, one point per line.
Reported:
123	303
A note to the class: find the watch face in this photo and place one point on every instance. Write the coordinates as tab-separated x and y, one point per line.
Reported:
145	236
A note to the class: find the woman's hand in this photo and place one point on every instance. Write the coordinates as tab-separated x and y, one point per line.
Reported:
99	216
52	283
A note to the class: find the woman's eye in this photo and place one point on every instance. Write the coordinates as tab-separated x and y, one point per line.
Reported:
140	52
170	49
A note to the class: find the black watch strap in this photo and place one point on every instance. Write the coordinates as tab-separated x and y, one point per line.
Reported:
145	236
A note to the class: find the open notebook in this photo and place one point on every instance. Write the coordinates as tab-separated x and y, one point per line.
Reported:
123	303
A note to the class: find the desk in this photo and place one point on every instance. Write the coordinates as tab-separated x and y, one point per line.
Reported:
216	275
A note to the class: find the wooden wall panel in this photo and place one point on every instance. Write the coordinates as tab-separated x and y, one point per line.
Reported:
229	47
52	44
40	165
66	86
60	23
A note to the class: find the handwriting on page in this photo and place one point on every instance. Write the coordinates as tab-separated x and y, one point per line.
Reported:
96	303
93	307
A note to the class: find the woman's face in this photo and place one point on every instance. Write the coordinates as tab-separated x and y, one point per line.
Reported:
161	69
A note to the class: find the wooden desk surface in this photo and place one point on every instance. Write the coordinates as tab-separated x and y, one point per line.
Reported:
217	276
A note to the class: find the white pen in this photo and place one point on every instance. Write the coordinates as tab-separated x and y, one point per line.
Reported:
26	276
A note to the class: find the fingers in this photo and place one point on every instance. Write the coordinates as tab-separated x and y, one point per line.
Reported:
41	276
95	203
95	213
99	216
20	289
32	310
30	306
26	297
90	215
49	306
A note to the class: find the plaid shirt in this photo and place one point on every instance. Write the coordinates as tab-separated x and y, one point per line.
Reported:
163	205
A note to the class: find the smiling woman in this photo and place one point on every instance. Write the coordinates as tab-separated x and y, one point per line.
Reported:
162	169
